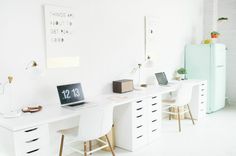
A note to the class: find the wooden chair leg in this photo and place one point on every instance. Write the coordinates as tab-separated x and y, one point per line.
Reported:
90	147
169	114
113	154
190	114
85	149
61	146
179	120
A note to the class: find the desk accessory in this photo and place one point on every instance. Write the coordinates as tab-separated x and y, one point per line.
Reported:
32	109
148	63
181	74
122	86
6	98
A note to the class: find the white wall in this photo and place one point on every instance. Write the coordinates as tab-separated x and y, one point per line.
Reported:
210	17
227	8
110	42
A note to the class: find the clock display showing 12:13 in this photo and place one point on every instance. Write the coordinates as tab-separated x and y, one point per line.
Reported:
68	94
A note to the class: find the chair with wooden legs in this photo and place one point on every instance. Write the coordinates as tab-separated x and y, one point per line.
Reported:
182	100
93	124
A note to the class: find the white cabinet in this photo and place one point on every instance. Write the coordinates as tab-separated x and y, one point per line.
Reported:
154	117
138	123
203	100
32	141
198	104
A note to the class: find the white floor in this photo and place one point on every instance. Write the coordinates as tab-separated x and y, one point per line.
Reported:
213	136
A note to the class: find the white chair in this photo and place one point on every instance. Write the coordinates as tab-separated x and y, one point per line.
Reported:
183	97
93	124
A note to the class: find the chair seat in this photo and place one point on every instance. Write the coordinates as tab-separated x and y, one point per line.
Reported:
70	132
171	103
168	101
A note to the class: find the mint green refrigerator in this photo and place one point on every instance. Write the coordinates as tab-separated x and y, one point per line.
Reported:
207	62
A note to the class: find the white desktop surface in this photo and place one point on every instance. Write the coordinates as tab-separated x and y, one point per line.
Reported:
54	112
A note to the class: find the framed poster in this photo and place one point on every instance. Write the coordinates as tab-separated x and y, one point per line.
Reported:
60	37
151	36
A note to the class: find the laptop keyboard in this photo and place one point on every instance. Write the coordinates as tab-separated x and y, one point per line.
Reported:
76	104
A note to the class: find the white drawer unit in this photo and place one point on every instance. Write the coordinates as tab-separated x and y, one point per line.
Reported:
32	141
198	103
154	117
203	99
137	124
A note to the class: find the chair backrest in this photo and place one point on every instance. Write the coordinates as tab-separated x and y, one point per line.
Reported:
184	94
95	122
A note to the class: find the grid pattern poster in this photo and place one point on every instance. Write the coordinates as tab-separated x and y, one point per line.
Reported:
60	34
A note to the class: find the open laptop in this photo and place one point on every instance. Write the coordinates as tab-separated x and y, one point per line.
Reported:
162	79
71	94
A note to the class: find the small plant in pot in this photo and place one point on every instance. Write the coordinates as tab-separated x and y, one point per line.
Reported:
215	34
182	72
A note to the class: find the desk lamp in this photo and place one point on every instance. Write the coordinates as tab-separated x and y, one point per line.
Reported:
148	63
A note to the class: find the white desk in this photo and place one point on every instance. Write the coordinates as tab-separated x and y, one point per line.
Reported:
28	135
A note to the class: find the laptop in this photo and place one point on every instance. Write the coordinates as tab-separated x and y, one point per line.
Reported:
71	94
161	78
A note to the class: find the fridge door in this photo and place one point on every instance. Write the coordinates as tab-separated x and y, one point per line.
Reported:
219	81
198	65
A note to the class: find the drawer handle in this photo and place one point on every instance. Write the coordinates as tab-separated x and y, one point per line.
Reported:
154	111
203	89
140	126
203	84
30	130
154	97
154	104
140	136
202	94
139	116
154	130
202	102
139	109
154	120
32	151
139	101
32	140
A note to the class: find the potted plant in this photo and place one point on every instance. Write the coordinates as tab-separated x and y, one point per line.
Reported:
182	72
214	34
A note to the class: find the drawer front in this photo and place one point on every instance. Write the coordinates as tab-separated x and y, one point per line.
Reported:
139	121
31	133
202	104
139	111
154	106
154	103
203	85
202	108
138	104
33	152
154	99
153	134
203	97
139	141
154	116
203	90
140	130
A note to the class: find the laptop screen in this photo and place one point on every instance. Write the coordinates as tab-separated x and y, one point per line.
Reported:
161	78
71	93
